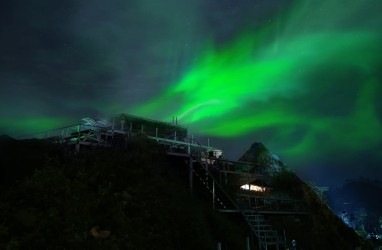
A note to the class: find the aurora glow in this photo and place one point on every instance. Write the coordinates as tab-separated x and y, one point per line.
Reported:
303	77
265	77
34	126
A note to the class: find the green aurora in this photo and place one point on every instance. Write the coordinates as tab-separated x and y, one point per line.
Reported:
303	77
313	71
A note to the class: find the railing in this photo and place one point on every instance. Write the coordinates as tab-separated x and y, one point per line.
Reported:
264	232
58	132
270	204
198	155
79	132
235	166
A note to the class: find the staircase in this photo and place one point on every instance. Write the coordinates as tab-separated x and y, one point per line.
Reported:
207	174
266	236
205	168
204	180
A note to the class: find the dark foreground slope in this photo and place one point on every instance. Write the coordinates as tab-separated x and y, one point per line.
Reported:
321	228
102	199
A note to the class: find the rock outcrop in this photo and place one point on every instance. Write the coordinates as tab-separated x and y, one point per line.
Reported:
320	228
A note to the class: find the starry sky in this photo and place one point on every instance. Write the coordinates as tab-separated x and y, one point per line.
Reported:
303	77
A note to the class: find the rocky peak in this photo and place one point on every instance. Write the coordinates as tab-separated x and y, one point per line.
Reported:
266	161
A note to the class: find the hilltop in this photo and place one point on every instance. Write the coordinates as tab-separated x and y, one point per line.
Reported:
135	197
103	199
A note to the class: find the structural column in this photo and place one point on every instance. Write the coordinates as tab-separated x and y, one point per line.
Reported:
213	194
190	165
191	173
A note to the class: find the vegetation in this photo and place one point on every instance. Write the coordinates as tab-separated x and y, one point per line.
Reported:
103	199
320	228
133	197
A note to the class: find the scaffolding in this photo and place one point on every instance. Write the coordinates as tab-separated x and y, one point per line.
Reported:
221	177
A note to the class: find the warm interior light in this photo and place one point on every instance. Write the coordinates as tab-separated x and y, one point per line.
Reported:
253	188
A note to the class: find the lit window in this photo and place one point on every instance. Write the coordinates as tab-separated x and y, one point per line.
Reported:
253	188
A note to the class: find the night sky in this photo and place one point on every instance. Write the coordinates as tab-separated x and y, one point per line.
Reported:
303	77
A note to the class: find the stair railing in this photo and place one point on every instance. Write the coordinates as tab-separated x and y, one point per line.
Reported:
198	157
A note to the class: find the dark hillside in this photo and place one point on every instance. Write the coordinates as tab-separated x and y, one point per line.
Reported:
321	228
19	159
103	199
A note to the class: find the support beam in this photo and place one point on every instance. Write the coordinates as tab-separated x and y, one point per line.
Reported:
191	174
213	194
122	124
219	246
